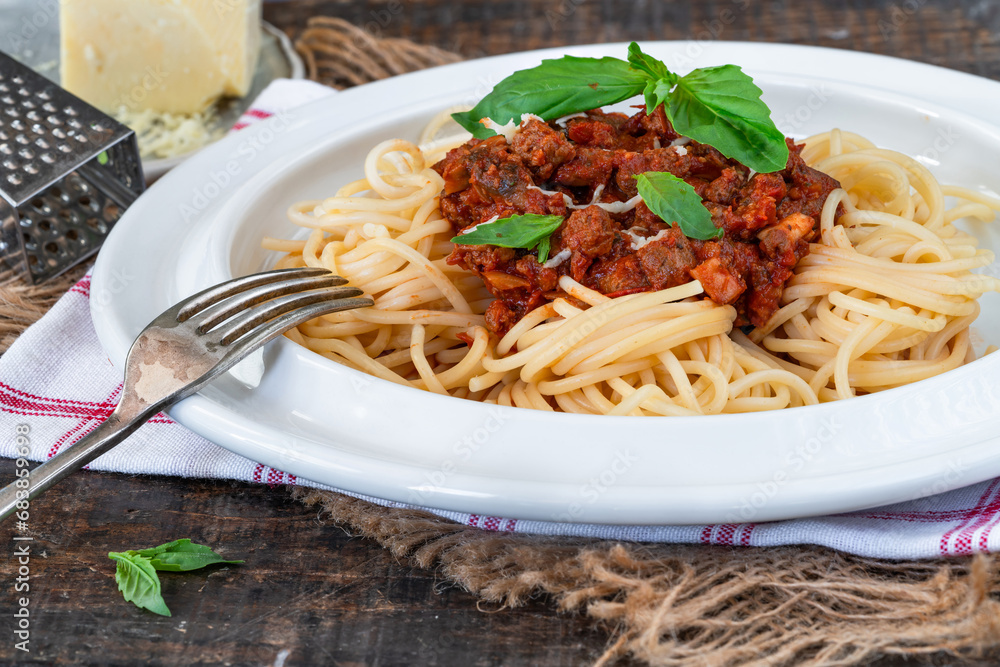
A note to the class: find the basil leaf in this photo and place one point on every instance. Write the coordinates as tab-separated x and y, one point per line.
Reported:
138	582
656	93
181	556
518	231
554	89
644	62
544	246
676	202
152	551
650	97
721	106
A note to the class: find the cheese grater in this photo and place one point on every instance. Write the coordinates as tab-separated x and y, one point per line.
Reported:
67	172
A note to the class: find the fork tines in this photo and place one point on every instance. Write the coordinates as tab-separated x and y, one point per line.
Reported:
287	296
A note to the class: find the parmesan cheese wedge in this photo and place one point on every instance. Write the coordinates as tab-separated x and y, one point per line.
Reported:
170	56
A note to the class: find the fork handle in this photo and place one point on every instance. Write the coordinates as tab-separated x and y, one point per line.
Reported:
107	434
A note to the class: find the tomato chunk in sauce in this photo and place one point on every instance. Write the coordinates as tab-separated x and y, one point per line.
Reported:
568	169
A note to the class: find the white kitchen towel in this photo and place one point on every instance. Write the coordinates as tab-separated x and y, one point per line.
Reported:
57	384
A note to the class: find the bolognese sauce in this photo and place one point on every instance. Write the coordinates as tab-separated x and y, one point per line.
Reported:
583	169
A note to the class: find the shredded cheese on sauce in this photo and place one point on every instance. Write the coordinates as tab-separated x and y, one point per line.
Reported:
510	128
610	207
566	198
561	122
615	206
557	259
598	191
469	230
642	241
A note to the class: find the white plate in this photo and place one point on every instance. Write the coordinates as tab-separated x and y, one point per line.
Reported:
202	224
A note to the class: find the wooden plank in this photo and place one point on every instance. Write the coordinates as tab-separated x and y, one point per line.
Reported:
963	36
308	593
306	587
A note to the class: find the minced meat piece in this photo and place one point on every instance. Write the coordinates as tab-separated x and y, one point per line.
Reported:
542	149
667	261
589	231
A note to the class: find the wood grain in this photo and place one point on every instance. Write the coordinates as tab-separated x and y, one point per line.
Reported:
308	591
959	35
306	587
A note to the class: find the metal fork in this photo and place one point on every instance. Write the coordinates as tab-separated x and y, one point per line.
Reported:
187	347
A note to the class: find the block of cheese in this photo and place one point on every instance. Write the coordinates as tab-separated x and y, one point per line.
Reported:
171	56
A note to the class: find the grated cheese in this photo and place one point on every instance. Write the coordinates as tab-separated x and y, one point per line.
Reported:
613	206
166	135
561	122
642	241
509	129
610	207
566	198
598	191
557	259
473	228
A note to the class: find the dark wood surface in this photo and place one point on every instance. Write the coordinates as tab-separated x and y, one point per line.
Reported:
960	34
307	588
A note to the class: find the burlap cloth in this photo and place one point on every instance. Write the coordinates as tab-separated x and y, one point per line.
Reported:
663	604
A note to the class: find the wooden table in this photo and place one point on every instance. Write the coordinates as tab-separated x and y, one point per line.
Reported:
308	592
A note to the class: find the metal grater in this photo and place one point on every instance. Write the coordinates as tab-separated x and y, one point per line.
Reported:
67	172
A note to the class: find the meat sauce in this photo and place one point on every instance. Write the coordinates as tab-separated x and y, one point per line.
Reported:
769	219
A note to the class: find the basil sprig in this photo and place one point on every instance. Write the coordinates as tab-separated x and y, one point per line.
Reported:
136	570
517	231
718	106
676	202
721	107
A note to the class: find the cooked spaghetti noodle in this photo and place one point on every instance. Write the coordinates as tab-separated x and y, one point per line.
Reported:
884	298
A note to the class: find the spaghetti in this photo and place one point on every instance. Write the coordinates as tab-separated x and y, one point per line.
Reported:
884	298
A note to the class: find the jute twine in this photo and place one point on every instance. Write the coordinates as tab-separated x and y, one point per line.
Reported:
667	605
340	54
21	304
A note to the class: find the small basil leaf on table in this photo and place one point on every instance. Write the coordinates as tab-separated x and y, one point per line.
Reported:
554	89
517	231
181	556
136	570
676	202
138	582
721	107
